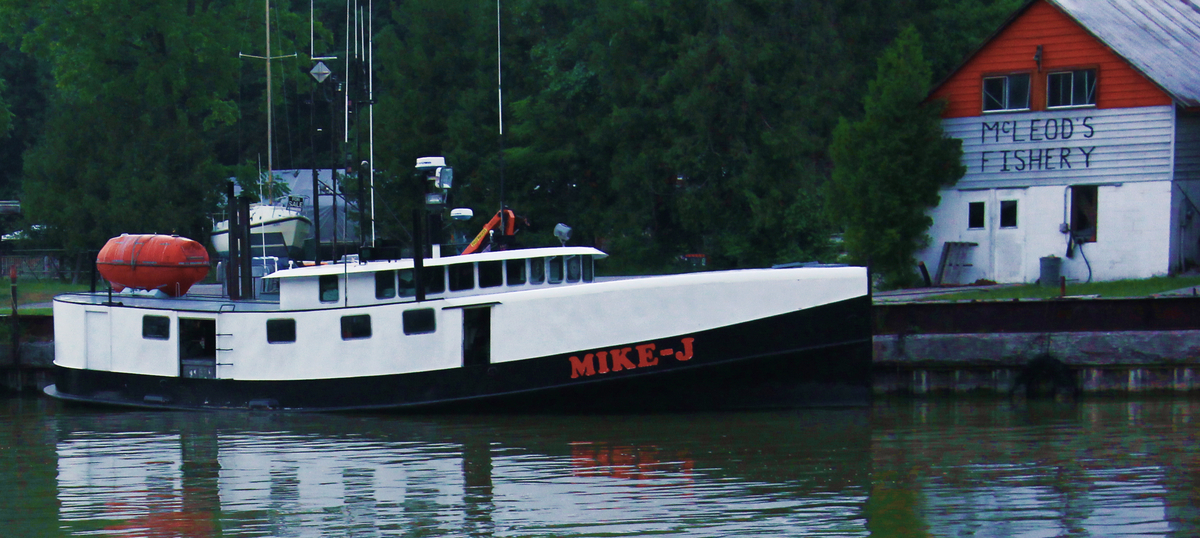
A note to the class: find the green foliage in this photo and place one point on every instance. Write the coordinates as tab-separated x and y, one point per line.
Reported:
889	166
654	128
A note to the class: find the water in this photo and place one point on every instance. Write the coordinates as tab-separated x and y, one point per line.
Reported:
900	468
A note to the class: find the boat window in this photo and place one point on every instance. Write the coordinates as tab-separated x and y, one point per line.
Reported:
281	331
491	274
589	269
156	327
385	284
419	321
408	287
573	269
329	288
462	276
537	270
356	327
435	280
516	272
555	275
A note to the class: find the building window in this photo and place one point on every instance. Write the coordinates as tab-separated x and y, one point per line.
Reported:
1072	88
462	276
156	327
281	331
329	288
385	284
976	215
1009	92
419	321
491	274
1008	213
516	272
1084	200
356	327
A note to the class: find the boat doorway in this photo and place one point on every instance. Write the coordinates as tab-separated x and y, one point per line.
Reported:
197	348
477	336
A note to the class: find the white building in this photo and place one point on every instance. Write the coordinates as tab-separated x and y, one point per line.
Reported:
1080	122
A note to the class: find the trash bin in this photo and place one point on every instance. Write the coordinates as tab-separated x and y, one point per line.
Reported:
1051	271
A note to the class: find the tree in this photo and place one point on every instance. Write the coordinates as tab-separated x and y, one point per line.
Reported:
889	166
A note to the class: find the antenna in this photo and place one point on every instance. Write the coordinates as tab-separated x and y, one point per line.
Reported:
500	109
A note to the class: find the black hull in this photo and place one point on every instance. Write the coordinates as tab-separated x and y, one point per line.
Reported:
814	357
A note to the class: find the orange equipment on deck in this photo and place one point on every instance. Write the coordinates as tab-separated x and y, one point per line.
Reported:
153	262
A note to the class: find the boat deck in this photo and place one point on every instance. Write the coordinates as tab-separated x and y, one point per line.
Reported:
190	302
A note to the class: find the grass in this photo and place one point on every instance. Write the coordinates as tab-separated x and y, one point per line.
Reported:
1117	288
31	291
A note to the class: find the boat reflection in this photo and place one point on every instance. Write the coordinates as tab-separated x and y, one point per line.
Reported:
913	469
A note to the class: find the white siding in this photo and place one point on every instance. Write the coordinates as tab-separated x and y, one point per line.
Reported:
1133	233
1065	147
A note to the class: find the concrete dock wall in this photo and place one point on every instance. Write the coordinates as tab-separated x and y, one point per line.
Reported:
1103	345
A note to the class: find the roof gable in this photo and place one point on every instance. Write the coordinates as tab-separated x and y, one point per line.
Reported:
1121	26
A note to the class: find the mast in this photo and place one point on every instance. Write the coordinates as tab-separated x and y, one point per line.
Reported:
500	110
270	125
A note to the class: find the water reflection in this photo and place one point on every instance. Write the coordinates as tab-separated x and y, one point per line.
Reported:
899	469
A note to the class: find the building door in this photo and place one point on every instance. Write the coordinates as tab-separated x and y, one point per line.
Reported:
1008	235
99	341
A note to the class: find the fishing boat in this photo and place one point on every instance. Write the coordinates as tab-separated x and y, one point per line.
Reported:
530	329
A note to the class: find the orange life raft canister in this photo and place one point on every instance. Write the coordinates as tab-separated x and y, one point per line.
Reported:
153	262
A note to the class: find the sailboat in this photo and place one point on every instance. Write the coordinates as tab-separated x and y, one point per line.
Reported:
275	229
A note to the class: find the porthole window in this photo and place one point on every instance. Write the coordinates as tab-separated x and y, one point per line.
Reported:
385	284
419	321
554	269
156	327
355	327
537	270
516	272
329	288
408	286
491	274
574	269
462	276
281	331
589	269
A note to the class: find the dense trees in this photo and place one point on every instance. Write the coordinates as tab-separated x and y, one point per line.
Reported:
889	166
654	127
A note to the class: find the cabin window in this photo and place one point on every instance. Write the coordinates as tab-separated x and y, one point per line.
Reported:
156	327
574	269
1083	213
329	288
419	321
491	274
462	276
555	272
435	280
281	331
537	270
1072	88
354	327
1009	92
1008	213
385	284
589	269
408	287
516	272
975	215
